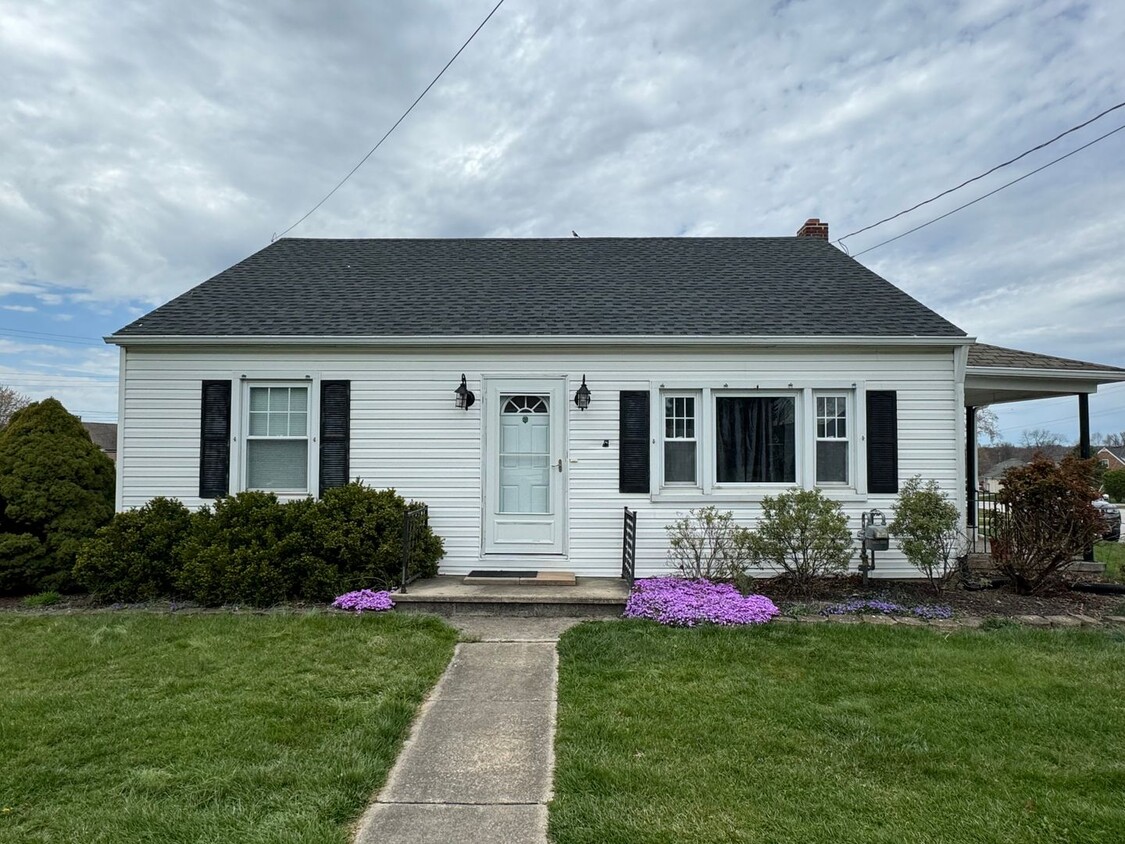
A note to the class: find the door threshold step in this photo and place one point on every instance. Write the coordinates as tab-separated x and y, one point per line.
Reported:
520	578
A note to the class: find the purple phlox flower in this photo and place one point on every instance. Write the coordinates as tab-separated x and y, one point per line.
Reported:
885	607
685	603
365	600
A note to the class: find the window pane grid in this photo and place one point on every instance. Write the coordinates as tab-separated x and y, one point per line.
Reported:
680	453
277	449
832	439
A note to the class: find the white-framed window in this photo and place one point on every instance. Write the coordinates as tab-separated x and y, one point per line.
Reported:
681	446
732	440
276	456
833	453
755	439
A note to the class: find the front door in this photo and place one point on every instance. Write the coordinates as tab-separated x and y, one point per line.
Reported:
525	466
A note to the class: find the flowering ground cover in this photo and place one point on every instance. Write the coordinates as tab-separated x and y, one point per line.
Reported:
684	603
365	600
881	606
118	728
839	734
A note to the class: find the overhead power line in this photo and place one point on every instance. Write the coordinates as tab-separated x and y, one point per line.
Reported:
1023	154
990	193
371	152
55	338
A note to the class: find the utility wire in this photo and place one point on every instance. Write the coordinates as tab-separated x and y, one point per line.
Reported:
44	336
990	193
986	173
371	152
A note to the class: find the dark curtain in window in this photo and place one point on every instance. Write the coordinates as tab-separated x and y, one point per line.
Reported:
756	440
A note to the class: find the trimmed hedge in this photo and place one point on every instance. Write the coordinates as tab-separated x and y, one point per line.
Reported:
253	549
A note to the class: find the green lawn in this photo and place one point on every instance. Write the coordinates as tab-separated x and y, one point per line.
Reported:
204	728
833	733
1113	555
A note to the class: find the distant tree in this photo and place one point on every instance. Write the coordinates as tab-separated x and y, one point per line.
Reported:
10	402
988	423
1040	438
56	489
1110	440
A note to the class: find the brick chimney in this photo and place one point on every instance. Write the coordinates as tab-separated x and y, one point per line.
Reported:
814	228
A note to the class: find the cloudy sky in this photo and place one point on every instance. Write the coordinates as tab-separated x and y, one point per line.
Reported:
145	146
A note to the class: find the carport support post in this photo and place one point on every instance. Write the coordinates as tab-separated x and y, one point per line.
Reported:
1084	446
970	467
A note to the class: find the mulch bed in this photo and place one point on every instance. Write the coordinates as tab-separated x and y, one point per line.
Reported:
999	602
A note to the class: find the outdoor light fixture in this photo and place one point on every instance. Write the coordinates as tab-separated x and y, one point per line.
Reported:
582	397
465	397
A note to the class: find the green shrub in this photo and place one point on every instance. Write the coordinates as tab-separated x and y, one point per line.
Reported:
927	525
253	549
56	490
1113	482
358	531
247	549
1046	520
707	543
804	535
134	557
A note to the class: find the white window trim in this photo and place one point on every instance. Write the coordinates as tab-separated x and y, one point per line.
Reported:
708	489
850	439
697	395
240	416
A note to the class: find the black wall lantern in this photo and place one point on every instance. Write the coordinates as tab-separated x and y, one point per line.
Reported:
582	397
465	397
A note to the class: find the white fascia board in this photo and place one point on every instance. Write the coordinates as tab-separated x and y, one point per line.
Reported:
1099	375
539	340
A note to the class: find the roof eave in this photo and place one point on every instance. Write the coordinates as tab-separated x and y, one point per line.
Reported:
1099	375
538	340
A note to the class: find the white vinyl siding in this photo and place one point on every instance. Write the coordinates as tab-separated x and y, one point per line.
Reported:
407	432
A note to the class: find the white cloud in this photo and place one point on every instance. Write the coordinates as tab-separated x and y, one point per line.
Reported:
149	146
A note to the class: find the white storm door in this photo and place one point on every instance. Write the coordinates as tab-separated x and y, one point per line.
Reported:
525	466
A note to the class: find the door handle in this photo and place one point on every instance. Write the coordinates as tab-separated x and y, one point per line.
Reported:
560	464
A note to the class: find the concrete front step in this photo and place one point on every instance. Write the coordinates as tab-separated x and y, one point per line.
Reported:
448	595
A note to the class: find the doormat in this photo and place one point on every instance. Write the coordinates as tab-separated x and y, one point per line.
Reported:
508	574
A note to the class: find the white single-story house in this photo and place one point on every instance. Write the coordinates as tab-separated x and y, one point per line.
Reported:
528	390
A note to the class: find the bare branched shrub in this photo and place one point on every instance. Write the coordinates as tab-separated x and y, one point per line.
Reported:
707	543
1047	520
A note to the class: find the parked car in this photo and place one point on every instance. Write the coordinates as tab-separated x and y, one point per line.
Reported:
1112	517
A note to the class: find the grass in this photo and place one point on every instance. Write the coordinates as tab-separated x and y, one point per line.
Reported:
832	733
204	728
41	599
1113	555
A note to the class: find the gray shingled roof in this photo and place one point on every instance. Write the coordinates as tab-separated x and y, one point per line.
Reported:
103	434
982	354
796	286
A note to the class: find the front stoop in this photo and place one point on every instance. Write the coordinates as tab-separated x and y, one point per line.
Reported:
538	578
449	595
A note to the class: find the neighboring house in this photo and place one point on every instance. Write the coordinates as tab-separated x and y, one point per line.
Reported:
718	371
1111	456
104	436
993	479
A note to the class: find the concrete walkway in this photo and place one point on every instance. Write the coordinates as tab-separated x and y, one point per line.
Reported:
478	764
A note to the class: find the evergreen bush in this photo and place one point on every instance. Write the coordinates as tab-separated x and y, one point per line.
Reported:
1113	482
56	490
134	557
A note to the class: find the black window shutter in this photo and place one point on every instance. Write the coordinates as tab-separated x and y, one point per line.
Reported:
633	453
214	439
882	441
335	433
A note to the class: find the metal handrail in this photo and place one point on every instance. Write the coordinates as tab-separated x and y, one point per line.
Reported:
412	520
629	547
